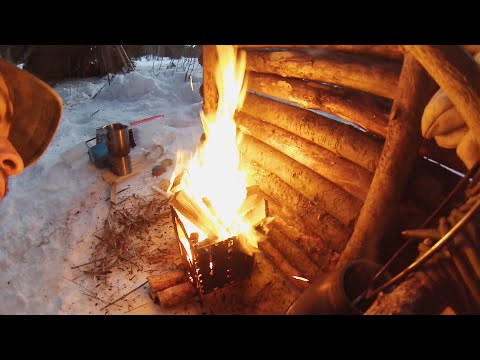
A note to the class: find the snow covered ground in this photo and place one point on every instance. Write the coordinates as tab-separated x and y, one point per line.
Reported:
53	206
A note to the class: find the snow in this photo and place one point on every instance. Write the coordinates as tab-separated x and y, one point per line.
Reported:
53	207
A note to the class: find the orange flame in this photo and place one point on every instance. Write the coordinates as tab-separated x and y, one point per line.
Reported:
213	172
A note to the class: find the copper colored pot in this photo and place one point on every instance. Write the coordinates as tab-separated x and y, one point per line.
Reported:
334	293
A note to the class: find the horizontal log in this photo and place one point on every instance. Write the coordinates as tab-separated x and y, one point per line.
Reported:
347	175
343	206
317	221
166	280
292	252
360	109
372	76
344	140
314	247
341	139
391	52
282	264
176	294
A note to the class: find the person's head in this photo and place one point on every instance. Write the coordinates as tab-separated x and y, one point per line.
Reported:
30	112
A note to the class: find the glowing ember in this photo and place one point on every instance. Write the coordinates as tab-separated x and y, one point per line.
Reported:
212	182
300	278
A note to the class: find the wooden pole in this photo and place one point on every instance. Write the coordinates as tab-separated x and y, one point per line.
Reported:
373	76
210	91
341	139
316	188
398	156
353	106
344	173
458	76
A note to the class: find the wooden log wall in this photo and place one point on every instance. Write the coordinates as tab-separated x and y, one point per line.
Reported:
316	170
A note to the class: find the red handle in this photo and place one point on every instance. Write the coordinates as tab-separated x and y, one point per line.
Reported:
138	122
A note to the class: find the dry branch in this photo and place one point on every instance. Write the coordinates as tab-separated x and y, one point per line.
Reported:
344	173
397	159
361	109
370	75
341	139
319	190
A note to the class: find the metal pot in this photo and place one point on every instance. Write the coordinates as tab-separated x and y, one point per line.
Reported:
334	293
118	141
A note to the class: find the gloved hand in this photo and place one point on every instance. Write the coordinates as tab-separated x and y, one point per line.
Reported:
442	122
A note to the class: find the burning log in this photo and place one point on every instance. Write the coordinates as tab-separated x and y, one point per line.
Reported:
398	156
176	294
358	108
373	76
347	175
194	213
166	280
282	264
390	52
341	139
319	190
316	220
293	253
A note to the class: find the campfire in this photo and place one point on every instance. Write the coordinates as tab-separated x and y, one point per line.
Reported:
219	220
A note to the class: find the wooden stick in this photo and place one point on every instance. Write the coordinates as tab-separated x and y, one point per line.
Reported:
422	234
373	76
360	109
397	159
176	294
293	253
317	221
457	74
282	264
316	188
344	173
210	91
391	52
341	139
165	280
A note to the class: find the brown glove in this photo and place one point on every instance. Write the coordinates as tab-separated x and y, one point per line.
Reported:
442	122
